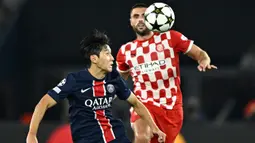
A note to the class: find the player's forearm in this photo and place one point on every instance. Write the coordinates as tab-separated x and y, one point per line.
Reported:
125	75
203	56
198	54
38	114
143	112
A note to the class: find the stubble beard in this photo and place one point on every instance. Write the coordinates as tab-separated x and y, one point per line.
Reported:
144	32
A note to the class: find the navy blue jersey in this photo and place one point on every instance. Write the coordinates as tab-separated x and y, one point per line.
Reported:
90	101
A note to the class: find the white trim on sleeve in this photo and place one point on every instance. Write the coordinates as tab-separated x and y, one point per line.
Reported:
189	48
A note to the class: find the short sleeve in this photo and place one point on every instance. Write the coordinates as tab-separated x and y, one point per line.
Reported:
122	90
63	89
121	60
180	42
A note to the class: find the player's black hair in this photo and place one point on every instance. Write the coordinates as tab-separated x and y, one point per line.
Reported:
93	45
138	5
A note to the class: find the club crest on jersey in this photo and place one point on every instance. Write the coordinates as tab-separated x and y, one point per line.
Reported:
160	48
110	88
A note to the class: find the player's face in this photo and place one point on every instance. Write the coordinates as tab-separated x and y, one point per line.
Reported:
105	60
137	21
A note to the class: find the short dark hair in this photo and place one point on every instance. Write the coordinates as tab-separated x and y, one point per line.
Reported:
139	5
93	45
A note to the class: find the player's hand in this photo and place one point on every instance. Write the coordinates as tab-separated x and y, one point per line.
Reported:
204	65
31	138
161	136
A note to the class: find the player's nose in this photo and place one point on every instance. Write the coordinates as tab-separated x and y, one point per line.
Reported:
112	58
141	18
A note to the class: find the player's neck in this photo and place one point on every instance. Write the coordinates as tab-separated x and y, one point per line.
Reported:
145	37
96	72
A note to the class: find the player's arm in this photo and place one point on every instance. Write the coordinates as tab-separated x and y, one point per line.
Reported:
122	67
201	57
124	93
184	45
45	103
61	91
143	112
125	75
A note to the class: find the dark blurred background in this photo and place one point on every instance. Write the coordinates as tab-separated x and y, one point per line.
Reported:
39	45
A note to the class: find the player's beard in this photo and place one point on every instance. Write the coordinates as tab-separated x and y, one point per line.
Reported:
143	32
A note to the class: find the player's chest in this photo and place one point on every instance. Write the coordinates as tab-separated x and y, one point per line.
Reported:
95	90
96	95
150	53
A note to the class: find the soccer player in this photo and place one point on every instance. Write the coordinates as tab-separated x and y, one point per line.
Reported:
90	93
152	59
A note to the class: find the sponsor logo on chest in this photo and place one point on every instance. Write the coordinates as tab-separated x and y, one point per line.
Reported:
99	103
149	66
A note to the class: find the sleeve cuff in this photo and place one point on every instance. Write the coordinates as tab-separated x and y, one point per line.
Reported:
53	95
122	71
189	48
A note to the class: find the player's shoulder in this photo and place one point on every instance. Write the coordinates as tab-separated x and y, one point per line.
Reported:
79	75
127	46
177	35
113	76
71	76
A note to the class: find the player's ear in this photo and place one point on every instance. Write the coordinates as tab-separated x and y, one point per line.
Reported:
93	59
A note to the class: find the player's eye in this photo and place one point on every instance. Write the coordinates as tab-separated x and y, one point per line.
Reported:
135	16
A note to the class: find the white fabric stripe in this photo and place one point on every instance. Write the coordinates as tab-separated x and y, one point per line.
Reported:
143	94
57	90
122	71
167	46
168	35
139	51
190	46
169	107
102	130
93	84
133	46
111	129
145	44
157	38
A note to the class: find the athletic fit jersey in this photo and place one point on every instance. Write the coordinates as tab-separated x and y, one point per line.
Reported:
90	101
154	67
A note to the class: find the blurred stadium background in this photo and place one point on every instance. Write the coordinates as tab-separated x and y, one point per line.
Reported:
39	42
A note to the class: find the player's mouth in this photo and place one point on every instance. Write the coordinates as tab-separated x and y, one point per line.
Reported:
111	65
140	25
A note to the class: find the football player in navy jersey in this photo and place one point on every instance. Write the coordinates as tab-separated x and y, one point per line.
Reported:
90	93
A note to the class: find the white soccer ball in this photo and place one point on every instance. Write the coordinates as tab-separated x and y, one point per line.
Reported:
159	17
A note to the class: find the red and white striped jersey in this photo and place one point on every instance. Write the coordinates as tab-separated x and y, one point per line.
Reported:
154	67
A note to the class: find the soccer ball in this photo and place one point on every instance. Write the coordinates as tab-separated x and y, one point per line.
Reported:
159	17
